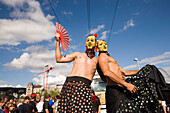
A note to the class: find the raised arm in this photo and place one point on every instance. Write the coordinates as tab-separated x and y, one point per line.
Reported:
104	65
58	55
129	72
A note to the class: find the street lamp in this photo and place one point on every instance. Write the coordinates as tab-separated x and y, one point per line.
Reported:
136	59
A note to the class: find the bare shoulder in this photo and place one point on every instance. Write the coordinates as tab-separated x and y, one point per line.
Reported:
112	60
76	53
103	56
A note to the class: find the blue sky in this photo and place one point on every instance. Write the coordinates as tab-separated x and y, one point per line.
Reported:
141	29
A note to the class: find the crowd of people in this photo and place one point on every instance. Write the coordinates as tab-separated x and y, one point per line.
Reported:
35	104
29	104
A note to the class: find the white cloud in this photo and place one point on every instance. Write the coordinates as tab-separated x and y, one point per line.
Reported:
166	73
130	67
103	37
35	58
99	27
67	13
136	14
73	47
163	59
13	3
7	85
34	48
1	81
28	24
157	58
58	79
147	1
127	24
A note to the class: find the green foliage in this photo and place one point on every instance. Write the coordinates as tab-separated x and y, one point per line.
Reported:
2	95
54	92
40	93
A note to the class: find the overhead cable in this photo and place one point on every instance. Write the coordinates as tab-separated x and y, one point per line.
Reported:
112	21
56	17
88	14
53	11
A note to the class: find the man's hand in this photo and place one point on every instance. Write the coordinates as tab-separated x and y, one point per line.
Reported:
57	36
132	88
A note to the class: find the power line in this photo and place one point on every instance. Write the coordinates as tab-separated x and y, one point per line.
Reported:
88	14
53	11
56	16
113	21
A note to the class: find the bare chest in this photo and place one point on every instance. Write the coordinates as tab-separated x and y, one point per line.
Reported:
84	59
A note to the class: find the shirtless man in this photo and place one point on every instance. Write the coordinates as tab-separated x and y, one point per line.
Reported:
76	94
113	74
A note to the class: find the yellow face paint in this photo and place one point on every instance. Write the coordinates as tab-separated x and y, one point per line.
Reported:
90	42
102	45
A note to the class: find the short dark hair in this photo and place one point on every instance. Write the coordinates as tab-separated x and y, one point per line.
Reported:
27	98
47	96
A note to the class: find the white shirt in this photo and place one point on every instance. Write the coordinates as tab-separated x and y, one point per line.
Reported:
40	106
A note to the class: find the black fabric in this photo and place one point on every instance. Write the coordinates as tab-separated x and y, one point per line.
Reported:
104	52
113	98
47	106
25	108
76	96
145	100
15	110
78	78
33	106
166	93
159	79
96	104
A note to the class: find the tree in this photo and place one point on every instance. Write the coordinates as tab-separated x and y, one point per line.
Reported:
54	92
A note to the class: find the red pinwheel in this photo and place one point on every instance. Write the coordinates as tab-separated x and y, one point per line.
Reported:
64	38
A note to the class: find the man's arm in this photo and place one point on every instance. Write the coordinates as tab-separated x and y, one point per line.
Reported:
58	55
129	72
47	111
104	65
99	109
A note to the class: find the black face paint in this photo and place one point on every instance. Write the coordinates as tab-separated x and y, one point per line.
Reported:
90	53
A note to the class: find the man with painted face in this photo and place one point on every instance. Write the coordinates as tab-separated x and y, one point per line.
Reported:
76	94
121	95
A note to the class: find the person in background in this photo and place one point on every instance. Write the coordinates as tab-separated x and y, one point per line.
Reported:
163	106
51	101
46	107
1	104
96	102
37	98
55	105
25	107
40	105
33	104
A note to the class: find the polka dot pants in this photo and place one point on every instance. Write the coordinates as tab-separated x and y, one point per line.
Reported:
75	97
